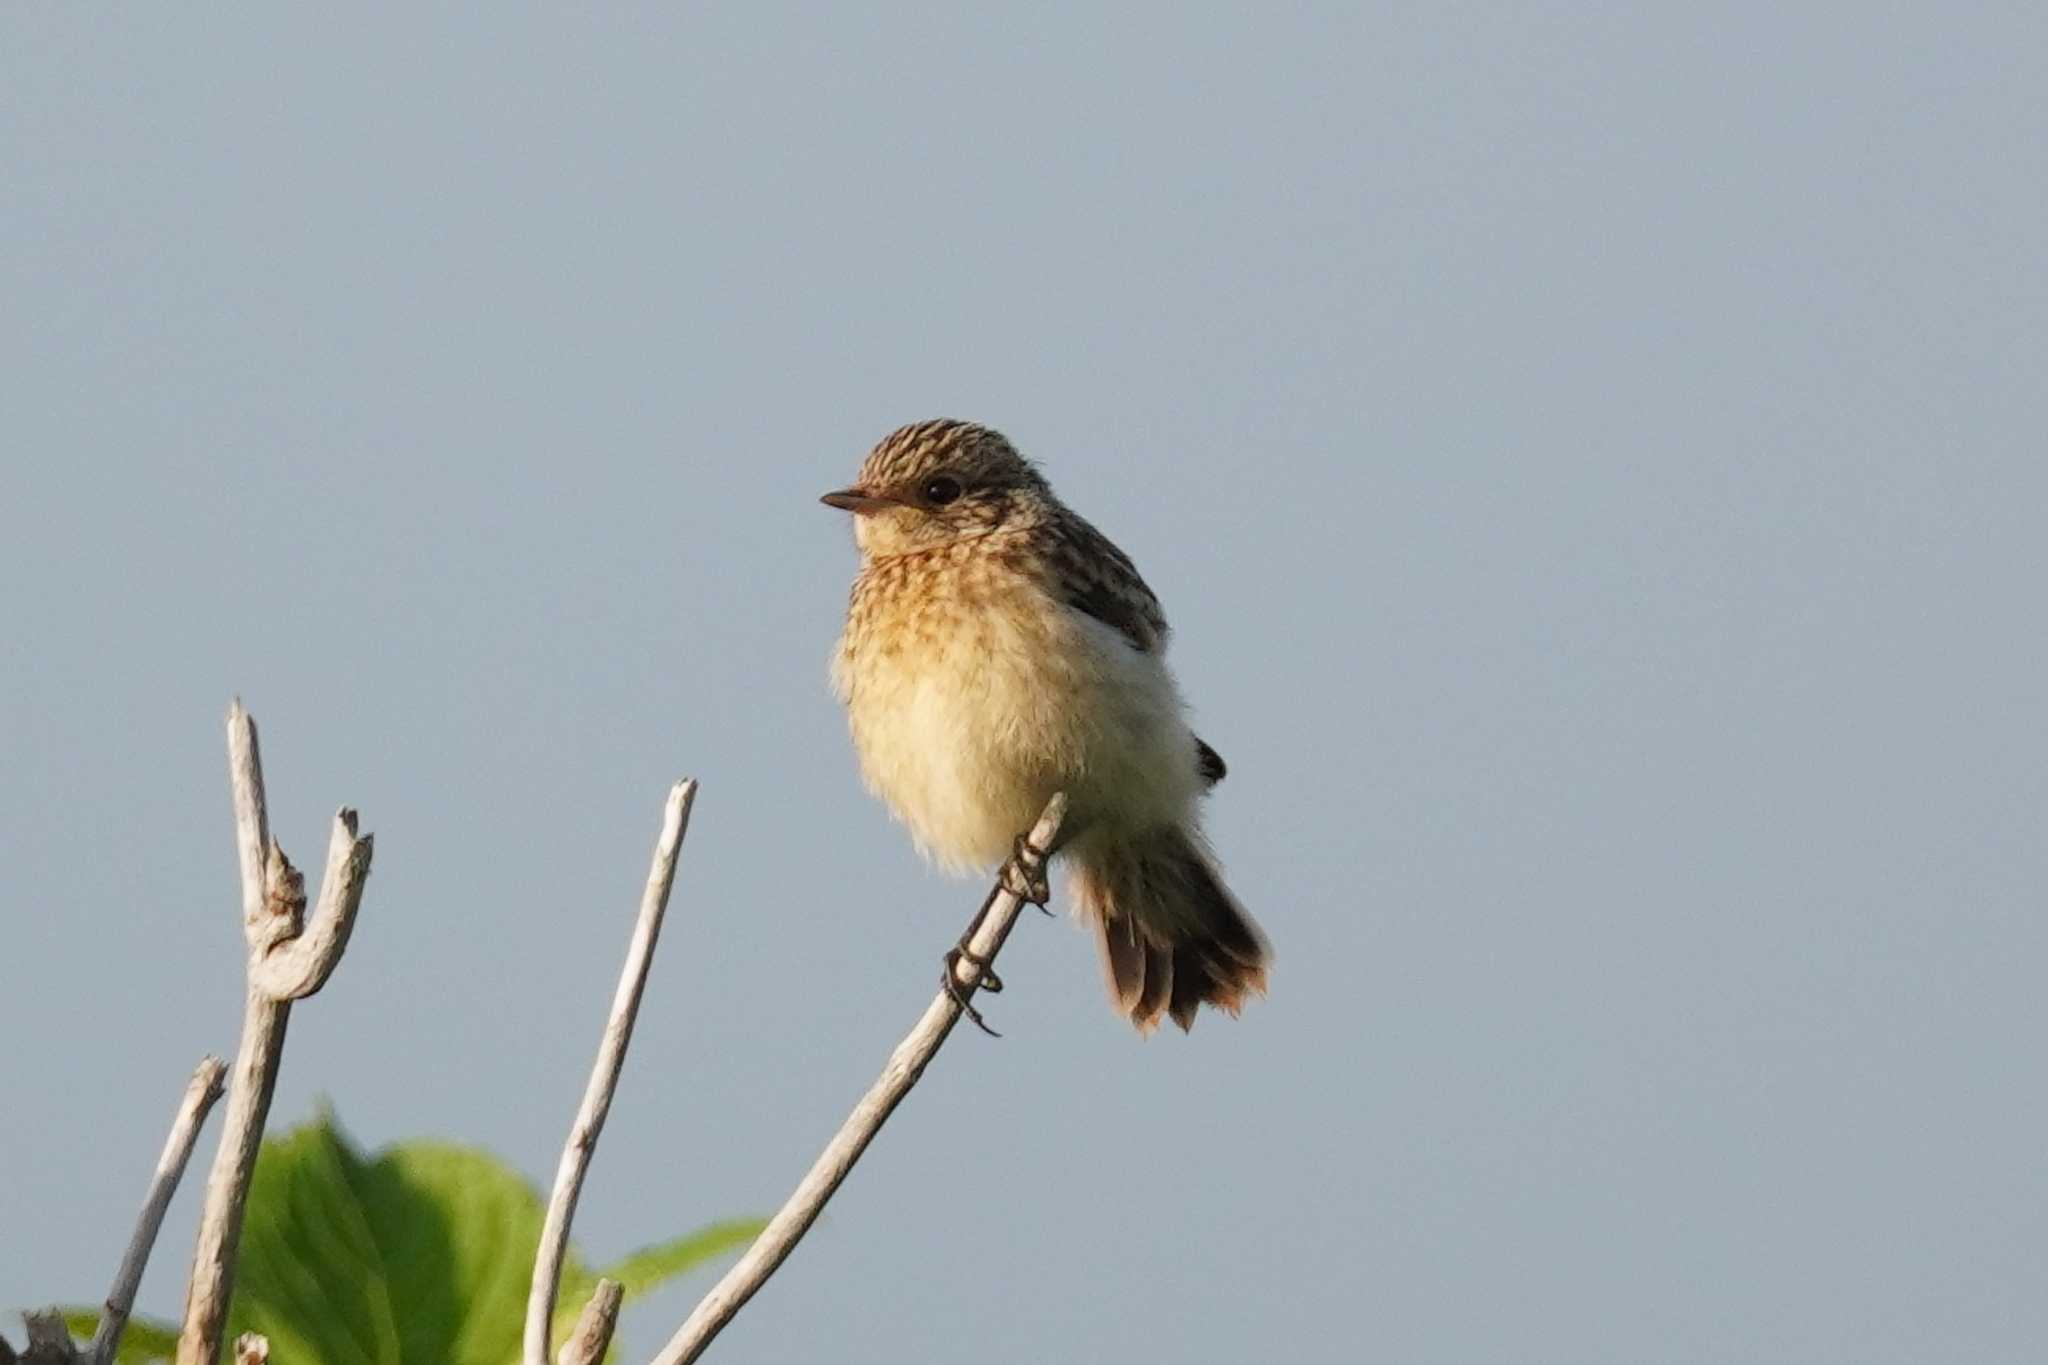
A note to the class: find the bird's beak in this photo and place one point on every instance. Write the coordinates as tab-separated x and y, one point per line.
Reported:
856	500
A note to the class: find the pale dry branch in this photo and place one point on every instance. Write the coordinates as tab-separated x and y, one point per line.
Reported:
604	1079
253	848
198	1101
906	1064
587	1344
284	962
295	969
227	1185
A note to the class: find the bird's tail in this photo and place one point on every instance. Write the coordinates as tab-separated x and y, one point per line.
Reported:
1173	937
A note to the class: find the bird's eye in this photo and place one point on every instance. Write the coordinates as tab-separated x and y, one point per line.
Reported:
941	490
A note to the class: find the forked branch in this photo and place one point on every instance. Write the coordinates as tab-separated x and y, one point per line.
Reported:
287	960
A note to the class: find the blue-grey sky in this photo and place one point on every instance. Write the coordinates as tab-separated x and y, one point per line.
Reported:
1591	455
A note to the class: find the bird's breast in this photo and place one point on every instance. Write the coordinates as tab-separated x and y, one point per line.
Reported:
974	694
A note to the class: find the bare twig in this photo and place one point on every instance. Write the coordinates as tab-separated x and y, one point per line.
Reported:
604	1080
586	1345
200	1095
906	1064
286	962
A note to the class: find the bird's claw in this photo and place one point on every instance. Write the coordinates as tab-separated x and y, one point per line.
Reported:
1024	875
986	980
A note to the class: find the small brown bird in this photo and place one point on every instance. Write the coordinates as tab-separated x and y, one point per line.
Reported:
997	649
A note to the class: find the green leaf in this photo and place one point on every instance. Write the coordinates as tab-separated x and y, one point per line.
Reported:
642	1272
649	1268
458	1229
311	1275
143	1340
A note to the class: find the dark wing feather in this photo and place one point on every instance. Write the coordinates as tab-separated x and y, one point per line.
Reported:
1097	578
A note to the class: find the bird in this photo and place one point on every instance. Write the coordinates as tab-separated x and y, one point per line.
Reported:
998	649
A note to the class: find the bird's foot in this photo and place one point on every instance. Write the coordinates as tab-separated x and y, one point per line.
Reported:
986	980
1024	875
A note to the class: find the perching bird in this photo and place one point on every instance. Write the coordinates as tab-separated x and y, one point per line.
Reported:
997	649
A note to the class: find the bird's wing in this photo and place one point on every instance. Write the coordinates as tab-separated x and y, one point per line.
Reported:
1097	578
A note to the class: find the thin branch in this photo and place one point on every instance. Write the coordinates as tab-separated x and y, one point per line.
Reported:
284	963
604	1079
593	1335
252	820
200	1094
906	1064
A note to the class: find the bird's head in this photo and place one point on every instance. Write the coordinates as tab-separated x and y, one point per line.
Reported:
933	483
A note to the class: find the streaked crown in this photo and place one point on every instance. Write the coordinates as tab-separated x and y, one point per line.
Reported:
974	455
